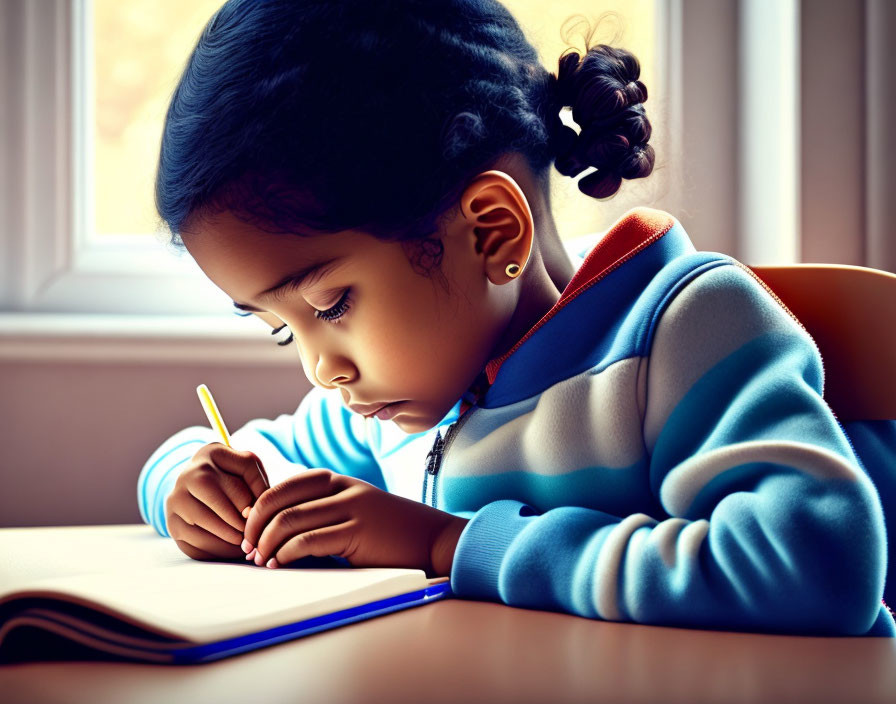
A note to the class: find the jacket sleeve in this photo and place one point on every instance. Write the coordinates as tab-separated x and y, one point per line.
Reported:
321	433
770	523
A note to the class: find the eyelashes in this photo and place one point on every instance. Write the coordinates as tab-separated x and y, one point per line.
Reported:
285	341
282	342
246	313
333	314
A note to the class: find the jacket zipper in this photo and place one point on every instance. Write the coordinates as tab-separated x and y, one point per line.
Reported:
436	455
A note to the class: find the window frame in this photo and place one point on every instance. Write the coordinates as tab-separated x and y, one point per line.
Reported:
52	270
65	268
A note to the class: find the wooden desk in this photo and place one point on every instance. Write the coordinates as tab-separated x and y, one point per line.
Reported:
465	651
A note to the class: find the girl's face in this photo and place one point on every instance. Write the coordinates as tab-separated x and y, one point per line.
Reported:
363	319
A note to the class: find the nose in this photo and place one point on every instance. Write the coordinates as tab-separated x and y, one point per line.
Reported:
334	370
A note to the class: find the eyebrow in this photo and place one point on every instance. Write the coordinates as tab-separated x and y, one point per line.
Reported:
302	277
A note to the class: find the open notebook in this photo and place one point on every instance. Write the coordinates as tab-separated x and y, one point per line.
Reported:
125	591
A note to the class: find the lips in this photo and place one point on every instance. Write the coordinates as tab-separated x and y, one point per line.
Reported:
389	410
368	410
379	410
374	412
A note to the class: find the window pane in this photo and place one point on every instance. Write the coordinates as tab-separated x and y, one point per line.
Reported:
141	46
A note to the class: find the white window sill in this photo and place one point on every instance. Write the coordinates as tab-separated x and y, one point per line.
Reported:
46	337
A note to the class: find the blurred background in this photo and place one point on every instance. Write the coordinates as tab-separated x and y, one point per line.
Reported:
770	126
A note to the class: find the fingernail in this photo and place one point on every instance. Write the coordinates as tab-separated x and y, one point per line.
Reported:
273	564
246	511
246	546
258	560
251	555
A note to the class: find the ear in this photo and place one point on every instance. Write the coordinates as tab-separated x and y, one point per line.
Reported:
501	223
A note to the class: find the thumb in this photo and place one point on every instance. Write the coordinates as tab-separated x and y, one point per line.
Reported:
255	475
245	465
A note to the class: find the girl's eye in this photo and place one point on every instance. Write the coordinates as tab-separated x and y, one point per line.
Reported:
286	340
334	313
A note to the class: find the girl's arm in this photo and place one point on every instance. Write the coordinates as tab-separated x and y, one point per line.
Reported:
321	433
772	525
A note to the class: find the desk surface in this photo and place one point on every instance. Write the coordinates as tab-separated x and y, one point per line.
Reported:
466	651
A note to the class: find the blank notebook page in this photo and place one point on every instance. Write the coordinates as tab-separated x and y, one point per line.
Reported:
145	579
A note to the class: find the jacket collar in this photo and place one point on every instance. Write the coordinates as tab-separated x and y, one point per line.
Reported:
632	232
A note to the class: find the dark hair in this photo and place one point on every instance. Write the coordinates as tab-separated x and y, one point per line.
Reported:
351	114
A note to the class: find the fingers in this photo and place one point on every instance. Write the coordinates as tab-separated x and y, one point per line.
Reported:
294	521
320	542
265	482
222	493
198	543
242	464
308	486
194	511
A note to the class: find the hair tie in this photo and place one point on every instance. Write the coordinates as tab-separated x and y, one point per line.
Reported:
564	88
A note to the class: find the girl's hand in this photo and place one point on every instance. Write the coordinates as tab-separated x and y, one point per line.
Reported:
322	513
204	509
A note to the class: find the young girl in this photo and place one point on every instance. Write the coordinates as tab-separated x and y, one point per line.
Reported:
634	434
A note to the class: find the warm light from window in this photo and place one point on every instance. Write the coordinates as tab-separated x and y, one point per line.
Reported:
141	46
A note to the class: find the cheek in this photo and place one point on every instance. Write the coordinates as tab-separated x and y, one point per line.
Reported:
444	341
393	347
404	335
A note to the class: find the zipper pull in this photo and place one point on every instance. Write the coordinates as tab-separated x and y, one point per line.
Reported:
434	456
433	461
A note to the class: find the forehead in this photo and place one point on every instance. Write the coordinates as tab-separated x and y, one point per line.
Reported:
219	239
244	260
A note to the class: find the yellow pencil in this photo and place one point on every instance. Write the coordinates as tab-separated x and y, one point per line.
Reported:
214	416
217	422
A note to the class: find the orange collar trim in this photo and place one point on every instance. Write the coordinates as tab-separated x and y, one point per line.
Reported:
634	231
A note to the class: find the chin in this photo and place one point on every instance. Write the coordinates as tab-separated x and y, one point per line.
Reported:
413	425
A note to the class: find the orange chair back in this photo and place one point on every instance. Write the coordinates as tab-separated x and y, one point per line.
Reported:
850	312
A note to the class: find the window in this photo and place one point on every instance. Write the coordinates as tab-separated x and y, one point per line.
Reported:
92	82
85	139
133	53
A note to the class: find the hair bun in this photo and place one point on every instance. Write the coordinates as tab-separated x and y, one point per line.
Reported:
635	92
606	97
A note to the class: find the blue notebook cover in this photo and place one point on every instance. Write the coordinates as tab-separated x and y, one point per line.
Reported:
50	629
233	646
47	623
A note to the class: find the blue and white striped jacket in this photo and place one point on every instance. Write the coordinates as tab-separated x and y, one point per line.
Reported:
656	450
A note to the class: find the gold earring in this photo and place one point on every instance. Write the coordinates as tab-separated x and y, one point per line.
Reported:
512	270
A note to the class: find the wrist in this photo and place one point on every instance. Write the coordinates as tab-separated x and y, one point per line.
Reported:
445	545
